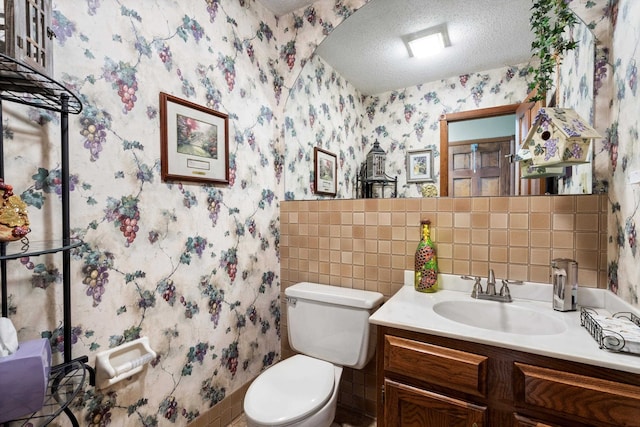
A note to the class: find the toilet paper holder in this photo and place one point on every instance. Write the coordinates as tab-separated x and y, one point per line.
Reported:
122	362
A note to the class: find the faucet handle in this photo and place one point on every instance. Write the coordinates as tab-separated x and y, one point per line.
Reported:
477	286
504	290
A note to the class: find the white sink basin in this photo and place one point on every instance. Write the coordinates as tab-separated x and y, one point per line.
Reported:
502	317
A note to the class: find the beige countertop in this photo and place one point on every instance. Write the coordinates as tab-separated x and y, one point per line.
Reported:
412	310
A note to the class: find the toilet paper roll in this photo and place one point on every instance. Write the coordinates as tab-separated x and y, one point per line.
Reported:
8	337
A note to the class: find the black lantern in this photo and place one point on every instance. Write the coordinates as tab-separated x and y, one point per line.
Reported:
375	163
26	34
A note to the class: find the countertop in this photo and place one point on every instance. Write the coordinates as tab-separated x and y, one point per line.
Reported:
413	311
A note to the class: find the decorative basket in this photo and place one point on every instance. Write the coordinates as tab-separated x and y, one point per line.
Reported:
616	332
14	222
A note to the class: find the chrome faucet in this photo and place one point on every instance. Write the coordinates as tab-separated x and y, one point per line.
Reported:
490	294
491	283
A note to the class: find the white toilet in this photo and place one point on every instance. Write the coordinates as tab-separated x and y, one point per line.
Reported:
329	325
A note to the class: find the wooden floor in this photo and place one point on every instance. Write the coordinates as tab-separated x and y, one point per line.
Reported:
344	418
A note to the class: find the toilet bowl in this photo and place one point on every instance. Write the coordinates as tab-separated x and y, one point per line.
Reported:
298	392
329	327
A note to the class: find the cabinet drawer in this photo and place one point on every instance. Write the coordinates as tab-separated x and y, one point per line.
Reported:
454	369
590	398
412	406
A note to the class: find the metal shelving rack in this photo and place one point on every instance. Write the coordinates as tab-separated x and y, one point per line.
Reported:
22	84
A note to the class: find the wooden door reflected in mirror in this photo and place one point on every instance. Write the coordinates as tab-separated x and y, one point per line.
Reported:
481	167
495	174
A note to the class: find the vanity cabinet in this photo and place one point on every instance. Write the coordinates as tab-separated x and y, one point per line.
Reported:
427	380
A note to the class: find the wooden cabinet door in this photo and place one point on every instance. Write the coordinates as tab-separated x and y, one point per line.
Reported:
406	406
480	167
594	400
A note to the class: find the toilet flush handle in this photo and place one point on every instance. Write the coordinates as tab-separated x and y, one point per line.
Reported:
292	301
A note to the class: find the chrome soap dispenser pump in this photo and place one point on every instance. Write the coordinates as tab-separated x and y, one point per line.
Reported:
565	284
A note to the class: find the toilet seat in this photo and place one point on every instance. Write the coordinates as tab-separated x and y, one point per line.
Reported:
290	390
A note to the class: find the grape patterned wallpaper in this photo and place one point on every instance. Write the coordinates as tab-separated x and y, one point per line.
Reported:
193	267
196	267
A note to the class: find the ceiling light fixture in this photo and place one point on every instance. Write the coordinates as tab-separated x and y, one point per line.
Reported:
427	42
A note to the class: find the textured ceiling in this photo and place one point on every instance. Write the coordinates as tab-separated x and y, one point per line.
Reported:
367	49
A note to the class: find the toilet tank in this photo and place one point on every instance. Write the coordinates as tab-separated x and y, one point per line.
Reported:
332	323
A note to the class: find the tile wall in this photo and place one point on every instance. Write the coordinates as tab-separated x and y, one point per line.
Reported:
367	244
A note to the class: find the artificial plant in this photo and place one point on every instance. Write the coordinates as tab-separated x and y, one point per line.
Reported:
551	21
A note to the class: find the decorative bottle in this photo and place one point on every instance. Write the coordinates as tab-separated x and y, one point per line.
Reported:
426	265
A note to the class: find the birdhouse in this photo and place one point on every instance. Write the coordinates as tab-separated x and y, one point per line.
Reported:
25	33
559	137
529	171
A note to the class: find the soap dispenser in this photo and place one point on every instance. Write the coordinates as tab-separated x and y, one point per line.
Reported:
565	284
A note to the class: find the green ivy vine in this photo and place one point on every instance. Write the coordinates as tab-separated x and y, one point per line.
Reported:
550	21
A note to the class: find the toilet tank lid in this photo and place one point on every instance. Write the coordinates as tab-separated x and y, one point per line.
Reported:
356	298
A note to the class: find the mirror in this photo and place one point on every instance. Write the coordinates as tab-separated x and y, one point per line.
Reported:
325	110
573	93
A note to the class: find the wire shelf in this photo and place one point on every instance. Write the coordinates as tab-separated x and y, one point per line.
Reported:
22	84
27	248
604	333
65	382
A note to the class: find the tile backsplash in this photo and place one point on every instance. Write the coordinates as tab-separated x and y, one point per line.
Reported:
368	243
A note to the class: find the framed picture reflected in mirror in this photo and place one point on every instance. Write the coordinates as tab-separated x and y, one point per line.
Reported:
420	166
325	172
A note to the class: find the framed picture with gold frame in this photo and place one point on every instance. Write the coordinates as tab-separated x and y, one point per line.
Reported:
194	142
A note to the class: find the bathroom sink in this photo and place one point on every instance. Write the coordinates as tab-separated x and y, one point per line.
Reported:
501	317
